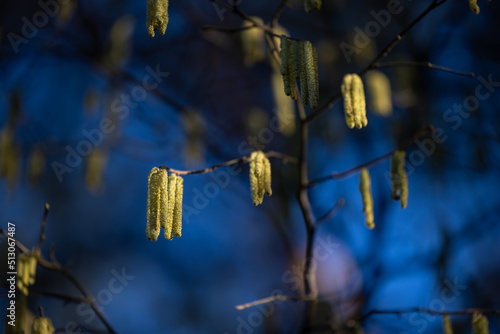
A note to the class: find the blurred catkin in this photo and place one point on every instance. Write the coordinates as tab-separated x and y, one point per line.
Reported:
366	196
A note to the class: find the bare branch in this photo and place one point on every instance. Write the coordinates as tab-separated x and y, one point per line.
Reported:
469	311
271	154
332	212
423	64
373	162
55	266
277	13
42	230
271	299
330	103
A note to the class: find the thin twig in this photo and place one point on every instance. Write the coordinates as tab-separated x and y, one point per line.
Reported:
469	311
55	266
227	30
271	154
277	13
355	170
271	299
331	102
42	229
332	212
423	64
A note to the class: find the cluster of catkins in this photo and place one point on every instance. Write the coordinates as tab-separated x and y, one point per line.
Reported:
260	177
299	60
164	204
157	16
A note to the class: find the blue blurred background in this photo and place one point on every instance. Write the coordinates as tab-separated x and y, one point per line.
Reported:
64	89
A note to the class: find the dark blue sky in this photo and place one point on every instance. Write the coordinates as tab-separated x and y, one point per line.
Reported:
134	110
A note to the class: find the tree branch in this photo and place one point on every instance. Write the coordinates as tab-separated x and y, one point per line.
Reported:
271	299
355	170
277	13
469	311
423	64
330	103
271	154
332	212
55	266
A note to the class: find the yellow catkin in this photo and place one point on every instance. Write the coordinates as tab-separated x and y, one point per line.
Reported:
172	185
358	102
286	66
285	108
304	90
9	156
366	195
292	67
163	188
447	329
314	102
311	69
260	177
294	54
36	165
310	5
119	42
42	325
267	177
157	16
480	324
154	202
178	207
26	272
94	169
253	42
399	178
346	93
354	101
473	6
256	174
379	92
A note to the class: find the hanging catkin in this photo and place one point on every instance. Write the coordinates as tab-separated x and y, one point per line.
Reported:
178	206
310	5
26	272
354	101
480	324
165	194
253	42
311	70
379	93
399	178
288	58
42	325
260	177
172	187
157	16
366	196
447	329
154	203
473	6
